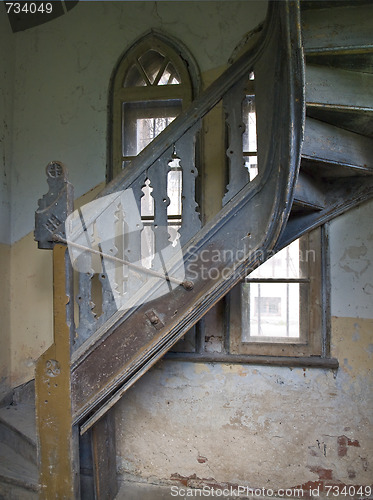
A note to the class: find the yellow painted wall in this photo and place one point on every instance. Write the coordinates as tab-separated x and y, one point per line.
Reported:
31	307
236	423
5	365
261	426
30	311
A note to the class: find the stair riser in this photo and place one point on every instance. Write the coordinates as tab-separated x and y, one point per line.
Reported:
18	443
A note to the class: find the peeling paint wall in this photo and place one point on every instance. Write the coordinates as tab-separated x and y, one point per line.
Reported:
183	422
6	100
60	72
62	75
259	426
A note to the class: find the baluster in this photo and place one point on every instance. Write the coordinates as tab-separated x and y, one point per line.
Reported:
238	175
120	228
132	252
157	174
110	293
185	150
87	318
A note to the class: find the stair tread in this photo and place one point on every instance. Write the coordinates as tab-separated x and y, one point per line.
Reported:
335	87
338	29
20	417
347	153
327	4
16	469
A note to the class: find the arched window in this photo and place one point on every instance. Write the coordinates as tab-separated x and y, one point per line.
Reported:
154	80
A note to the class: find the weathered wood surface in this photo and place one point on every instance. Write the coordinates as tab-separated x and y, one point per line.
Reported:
131	344
58	457
104	458
338	88
337	29
335	146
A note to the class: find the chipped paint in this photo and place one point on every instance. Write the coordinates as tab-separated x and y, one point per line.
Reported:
273	427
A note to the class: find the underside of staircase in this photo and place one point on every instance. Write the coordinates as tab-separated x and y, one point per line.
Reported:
314	105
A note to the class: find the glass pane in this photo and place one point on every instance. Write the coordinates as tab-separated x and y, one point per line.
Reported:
270	311
134	78
143	121
148	128
170	76
151	63
285	264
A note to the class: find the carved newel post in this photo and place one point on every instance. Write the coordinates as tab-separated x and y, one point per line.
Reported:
57	443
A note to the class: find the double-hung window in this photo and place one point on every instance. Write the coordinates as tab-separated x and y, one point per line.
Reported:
278	309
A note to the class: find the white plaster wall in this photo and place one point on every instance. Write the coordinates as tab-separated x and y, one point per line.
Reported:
6	101
62	76
6	98
351	247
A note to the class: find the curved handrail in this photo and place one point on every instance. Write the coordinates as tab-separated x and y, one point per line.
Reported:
263	207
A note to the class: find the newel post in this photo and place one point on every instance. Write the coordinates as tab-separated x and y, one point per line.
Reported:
58	453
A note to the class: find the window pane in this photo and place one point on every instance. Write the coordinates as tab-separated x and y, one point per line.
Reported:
170	76
151	63
251	163
174	189
143	121
270	311
134	78
285	264
147	201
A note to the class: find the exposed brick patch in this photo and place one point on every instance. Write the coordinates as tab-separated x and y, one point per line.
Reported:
310	489
343	442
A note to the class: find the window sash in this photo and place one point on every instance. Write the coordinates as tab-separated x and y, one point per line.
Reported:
312	331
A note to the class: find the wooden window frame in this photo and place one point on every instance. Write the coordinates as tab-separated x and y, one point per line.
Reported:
119	95
313	312
314	351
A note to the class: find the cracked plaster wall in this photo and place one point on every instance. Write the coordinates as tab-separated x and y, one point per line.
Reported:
255	425
271	427
6	100
59	73
62	75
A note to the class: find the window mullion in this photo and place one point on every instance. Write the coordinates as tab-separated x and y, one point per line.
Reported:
142	72
161	71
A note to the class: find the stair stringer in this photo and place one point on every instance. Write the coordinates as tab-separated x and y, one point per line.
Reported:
339	195
110	361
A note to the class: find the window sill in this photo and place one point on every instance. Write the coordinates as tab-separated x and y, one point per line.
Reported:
304	362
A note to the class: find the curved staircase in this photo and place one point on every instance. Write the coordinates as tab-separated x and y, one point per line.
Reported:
333	174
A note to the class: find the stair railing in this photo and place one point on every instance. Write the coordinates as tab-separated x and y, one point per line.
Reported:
132	323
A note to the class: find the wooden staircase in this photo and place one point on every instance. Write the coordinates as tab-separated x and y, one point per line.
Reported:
315	144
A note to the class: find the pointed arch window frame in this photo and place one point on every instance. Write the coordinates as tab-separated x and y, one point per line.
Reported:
181	93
